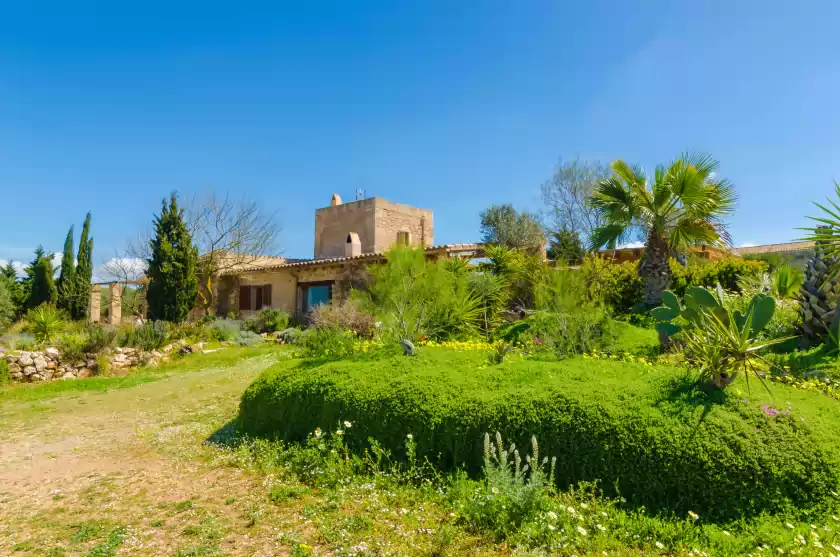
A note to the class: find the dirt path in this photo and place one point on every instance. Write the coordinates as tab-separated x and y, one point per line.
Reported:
87	473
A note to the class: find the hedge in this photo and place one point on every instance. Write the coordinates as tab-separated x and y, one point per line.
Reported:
638	430
621	288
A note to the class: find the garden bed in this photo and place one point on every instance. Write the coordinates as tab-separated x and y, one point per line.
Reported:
642	431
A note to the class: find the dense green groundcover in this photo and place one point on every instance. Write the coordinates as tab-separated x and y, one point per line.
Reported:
642	431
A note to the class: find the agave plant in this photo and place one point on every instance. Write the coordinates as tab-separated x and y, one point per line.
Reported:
45	322
784	282
720	343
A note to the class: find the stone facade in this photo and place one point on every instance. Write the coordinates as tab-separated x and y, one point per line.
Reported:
379	224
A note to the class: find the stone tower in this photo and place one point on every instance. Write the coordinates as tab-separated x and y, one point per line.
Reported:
369	226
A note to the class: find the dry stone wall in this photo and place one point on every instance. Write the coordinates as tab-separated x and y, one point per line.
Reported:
27	367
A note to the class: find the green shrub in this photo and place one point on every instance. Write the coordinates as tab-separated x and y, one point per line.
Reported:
292	335
20	341
415	297
151	335
248	338
617	285
621	288
71	347
517	488
329	343
570	333
45	322
103	366
268	320
5	376
643	432
7	305
344	315
99	338
224	330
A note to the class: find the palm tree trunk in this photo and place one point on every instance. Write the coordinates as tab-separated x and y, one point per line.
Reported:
655	269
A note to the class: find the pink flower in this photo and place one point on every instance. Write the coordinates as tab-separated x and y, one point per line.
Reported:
770	411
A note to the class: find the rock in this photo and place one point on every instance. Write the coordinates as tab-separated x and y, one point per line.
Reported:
120	358
40	363
89	363
15	368
25	359
156	354
51	365
209	351
408	347
185	350
118	350
68	375
36	377
84	372
52	353
29	370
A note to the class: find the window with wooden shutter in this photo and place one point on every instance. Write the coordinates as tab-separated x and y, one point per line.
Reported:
267	296
244	298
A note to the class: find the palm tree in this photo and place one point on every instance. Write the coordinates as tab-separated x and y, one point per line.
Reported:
683	207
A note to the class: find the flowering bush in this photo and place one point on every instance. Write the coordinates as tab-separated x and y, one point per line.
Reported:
459	345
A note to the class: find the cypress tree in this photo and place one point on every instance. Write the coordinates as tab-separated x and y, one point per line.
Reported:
16	288
42	287
66	284
84	272
173	283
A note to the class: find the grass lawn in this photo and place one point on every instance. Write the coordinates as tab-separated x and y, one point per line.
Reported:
123	466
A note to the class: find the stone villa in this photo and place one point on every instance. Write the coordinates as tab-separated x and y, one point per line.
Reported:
348	237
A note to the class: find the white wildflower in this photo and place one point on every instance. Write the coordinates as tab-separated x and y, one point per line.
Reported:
495	490
339	432
552	515
600	527
659	545
581	530
410	437
551	527
347	425
318	432
789	525
693	515
725	533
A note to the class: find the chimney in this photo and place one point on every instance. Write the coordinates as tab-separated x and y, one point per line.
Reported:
353	247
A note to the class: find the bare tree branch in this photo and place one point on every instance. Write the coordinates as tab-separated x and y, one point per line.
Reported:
566	197
230	234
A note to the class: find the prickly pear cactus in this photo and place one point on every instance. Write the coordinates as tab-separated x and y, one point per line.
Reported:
819	297
700	304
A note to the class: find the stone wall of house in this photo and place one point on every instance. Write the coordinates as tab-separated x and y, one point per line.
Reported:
334	223
393	218
377	222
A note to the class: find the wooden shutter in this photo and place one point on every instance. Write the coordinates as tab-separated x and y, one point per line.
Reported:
244	298
267	295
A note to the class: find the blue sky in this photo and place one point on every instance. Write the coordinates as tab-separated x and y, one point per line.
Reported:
451	106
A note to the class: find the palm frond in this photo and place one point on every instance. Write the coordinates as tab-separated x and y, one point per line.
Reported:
629	174
608	236
691	232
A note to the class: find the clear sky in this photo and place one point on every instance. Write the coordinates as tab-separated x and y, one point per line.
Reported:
447	105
